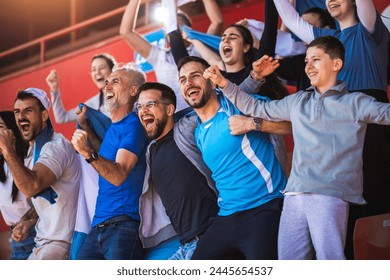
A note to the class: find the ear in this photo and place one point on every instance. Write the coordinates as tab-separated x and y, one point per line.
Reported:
170	110
337	64
246	48
45	115
133	90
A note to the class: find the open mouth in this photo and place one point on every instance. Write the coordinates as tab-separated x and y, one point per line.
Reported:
99	79
227	50
192	91
109	96
25	126
148	121
334	6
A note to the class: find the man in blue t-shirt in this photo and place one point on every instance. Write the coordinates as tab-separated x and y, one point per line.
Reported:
247	173
121	167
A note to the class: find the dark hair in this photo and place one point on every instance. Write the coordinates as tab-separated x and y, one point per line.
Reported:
166	92
21	147
107	57
185	18
187	59
247	38
23	95
330	45
324	17
111	62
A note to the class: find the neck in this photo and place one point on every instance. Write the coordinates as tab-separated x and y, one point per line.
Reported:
232	68
209	110
169	125
325	88
119	114
347	21
122	112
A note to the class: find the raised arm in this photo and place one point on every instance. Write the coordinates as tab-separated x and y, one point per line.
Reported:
268	38
293	21
215	15
29	182
210	56
127	30
367	14
60	114
114	172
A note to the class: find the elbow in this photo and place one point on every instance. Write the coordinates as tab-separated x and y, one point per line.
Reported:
125	33
118	182
32	192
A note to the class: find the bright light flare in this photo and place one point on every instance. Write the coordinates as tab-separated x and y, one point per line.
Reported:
161	14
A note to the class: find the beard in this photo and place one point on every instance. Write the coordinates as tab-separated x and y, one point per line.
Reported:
158	129
202	102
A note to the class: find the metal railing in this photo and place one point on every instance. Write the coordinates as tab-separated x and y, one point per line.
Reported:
43	40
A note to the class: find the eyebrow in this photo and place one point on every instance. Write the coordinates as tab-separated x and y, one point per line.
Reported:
194	72
230	34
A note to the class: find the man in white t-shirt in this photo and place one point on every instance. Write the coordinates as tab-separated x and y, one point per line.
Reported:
52	178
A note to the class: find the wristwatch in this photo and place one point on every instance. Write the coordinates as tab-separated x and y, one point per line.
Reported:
94	156
258	123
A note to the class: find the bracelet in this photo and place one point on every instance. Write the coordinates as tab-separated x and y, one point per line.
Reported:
254	77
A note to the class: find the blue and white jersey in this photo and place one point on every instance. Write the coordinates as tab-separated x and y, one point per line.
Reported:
244	167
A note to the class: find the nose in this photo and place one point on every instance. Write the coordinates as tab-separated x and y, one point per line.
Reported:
108	85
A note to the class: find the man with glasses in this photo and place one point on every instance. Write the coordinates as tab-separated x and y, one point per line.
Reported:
178	188
120	163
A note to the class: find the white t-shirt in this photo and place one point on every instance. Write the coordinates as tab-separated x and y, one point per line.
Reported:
166	70
56	221
12	212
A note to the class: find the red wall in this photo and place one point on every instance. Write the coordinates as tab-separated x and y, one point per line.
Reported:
75	81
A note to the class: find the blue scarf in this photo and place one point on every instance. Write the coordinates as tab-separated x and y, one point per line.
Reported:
97	121
211	41
43	137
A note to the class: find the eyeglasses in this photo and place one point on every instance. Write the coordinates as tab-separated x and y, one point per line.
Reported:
148	105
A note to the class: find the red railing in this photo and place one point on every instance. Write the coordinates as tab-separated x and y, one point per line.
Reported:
42	40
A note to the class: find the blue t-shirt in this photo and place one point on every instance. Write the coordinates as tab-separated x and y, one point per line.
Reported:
302	6
244	167
122	200
366	55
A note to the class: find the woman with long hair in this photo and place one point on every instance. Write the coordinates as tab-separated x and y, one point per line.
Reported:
14	206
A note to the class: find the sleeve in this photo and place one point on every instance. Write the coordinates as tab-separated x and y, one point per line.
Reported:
278	110
250	85
178	48
367	14
371	111
268	38
60	114
133	138
293	21
154	55
55	155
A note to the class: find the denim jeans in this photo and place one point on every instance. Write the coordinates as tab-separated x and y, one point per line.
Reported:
164	250
116	241
22	250
185	251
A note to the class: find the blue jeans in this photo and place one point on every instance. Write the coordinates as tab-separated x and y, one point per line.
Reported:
164	250
115	241
185	251
22	250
